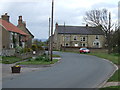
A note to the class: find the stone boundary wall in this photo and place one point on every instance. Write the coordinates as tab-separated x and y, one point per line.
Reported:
94	50
29	54
8	52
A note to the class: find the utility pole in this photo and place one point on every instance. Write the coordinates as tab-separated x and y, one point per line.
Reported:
64	36
49	39
109	35
52	30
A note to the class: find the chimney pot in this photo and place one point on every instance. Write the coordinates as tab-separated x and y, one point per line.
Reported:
56	25
5	17
5	13
86	25
20	17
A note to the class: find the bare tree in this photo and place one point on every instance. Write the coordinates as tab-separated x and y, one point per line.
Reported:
102	19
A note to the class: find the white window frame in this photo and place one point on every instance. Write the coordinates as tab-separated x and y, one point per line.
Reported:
67	38
76	44
83	38
83	44
75	37
97	37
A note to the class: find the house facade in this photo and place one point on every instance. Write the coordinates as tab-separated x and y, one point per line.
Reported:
10	35
78	36
22	26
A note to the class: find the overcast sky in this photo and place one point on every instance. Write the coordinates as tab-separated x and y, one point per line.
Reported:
37	12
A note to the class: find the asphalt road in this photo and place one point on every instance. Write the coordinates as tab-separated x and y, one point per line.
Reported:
73	71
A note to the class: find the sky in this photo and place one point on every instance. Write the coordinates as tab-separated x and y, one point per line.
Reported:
36	13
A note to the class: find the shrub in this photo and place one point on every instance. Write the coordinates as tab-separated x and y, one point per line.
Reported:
18	49
29	49
42	58
34	47
40	48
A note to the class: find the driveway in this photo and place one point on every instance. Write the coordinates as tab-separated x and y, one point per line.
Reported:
74	71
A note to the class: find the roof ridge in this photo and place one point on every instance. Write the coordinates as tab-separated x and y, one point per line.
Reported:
75	26
11	27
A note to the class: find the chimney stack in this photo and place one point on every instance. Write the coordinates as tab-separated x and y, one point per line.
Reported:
56	25
5	17
86	25
20	20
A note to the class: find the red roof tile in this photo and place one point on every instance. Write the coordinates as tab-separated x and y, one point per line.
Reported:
10	27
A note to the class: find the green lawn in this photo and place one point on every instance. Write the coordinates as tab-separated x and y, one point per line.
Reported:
111	57
0	59
35	62
10	60
54	55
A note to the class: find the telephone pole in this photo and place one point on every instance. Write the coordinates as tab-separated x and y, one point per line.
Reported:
64	36
49	39
52	30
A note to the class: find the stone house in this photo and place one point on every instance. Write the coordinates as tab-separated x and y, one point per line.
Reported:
10	35
22	26
78	36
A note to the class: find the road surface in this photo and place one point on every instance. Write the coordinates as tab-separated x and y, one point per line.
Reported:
73	71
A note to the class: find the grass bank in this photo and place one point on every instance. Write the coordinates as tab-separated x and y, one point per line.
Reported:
40	60
35	62
10	60
112	57
54	55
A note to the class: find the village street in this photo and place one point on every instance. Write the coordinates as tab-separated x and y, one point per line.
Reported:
73	71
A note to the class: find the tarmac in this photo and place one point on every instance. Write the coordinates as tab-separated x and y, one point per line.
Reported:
6	72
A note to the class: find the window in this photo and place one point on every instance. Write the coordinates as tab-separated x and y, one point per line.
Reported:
11	36
76	45
11	45
97	37
75	37
67	44
83	44
83	39
67	38
96	44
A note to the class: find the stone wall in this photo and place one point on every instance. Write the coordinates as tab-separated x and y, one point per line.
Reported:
76	49
28	54
8	52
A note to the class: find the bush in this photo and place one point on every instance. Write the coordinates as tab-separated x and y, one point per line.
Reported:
40	48
18	49
43	58
34	47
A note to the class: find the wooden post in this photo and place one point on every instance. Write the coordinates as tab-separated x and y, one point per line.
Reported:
49	39
52	30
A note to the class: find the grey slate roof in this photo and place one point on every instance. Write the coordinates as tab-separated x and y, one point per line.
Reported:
82	30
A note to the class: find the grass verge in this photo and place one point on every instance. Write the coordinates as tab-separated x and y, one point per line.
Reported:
111	57
35	62
54	55
10	60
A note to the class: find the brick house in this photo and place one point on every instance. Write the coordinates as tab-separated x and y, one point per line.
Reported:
78	36
10	35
